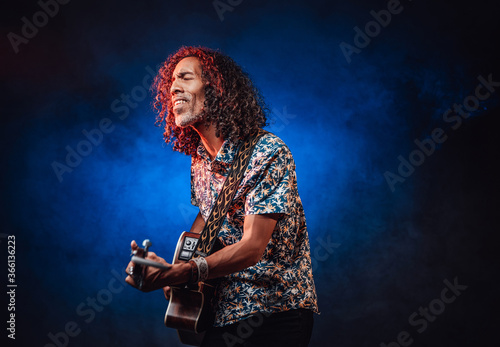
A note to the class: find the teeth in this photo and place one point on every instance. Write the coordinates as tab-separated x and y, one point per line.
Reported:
178	102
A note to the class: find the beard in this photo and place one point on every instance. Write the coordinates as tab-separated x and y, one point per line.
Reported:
188	118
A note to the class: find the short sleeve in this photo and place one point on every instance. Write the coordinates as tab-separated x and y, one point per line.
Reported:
274	176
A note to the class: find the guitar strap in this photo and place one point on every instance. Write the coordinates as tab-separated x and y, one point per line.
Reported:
226	195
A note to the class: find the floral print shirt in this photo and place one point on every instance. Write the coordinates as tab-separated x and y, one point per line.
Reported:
282	280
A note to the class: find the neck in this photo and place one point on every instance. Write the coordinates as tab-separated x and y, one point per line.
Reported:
211	142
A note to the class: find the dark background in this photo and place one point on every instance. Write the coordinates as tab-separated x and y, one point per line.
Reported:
380	254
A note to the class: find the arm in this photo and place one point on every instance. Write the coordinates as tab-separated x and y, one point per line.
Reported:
198	224
257	231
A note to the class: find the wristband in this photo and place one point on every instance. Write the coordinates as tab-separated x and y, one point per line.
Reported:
202	266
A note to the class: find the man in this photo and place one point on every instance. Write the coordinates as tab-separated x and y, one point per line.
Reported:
208	106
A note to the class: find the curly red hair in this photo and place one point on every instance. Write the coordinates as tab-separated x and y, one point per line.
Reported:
232	103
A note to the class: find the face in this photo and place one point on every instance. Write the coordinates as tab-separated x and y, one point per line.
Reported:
187	92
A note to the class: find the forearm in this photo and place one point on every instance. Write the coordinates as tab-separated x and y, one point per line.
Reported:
232	258
198	224
178	274
248	251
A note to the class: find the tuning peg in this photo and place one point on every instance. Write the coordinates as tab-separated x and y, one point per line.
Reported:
146	244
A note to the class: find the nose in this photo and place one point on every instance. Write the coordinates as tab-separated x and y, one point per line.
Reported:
175	88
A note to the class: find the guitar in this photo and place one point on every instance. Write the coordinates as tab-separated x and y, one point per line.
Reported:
190	307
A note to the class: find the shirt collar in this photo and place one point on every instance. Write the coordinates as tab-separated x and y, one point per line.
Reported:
224	157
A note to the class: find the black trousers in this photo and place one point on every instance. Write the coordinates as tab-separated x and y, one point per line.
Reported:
284	329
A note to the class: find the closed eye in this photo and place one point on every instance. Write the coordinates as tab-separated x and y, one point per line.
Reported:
185	76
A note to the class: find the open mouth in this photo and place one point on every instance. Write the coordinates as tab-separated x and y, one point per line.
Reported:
179	105
179	102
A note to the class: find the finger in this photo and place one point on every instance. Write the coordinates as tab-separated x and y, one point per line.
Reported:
135	249
152	256
130	268
166	292
130	281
